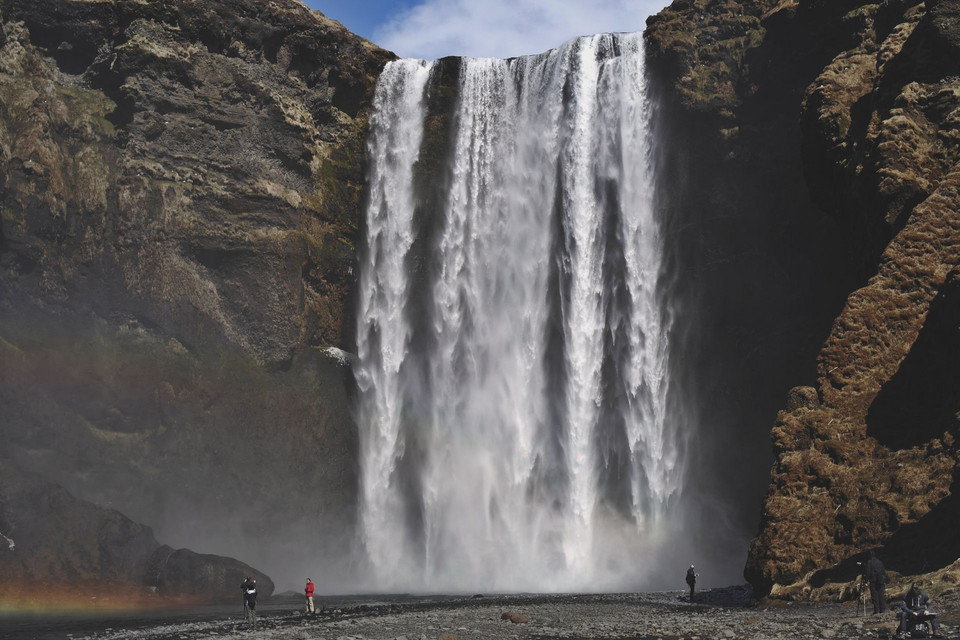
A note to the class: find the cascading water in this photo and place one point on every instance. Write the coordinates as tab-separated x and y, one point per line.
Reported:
513	391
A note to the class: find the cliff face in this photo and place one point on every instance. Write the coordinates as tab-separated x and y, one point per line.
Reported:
760	270
180	190
865	455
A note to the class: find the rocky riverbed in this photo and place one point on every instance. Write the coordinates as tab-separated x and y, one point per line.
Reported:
718	614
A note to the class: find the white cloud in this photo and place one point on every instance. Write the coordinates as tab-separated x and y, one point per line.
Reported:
506	28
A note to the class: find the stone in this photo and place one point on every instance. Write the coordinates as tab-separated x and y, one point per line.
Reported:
514	617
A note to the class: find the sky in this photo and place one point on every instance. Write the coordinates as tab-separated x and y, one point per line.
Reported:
483	28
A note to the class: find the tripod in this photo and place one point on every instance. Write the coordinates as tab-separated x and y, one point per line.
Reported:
862	597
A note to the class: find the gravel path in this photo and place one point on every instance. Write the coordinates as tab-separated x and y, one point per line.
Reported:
719	614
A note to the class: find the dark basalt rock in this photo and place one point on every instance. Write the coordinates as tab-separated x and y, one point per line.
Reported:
202	576
53	538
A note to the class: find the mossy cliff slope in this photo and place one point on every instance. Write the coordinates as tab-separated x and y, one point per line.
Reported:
866	455
180	188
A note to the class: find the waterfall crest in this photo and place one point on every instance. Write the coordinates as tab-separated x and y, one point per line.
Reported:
512	337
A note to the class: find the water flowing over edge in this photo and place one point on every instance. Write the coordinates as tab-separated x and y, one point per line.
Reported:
513	375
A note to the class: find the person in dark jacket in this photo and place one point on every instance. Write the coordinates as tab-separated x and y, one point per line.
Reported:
249	588
691	580
876	576
916	610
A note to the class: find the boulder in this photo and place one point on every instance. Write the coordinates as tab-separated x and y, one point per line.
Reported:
514	617
203	576
50	536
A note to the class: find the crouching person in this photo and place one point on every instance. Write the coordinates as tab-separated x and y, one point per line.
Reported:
916	612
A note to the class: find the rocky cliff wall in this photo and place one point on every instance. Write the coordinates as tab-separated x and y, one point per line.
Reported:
759	272
868	100
180	190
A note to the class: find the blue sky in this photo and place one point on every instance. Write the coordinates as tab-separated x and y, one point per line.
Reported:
361	16
483	28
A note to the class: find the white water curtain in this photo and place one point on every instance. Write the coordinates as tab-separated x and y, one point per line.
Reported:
526	445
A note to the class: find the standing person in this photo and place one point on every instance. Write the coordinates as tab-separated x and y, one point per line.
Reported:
308	590
691	580
249	588
876	575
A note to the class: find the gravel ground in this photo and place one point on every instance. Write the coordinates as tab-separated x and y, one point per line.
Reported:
719	614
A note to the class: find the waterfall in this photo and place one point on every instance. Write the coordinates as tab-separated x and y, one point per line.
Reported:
512	337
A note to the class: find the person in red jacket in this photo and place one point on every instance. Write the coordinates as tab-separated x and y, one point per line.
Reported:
308	590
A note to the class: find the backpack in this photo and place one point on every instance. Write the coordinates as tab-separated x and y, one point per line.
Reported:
918	630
